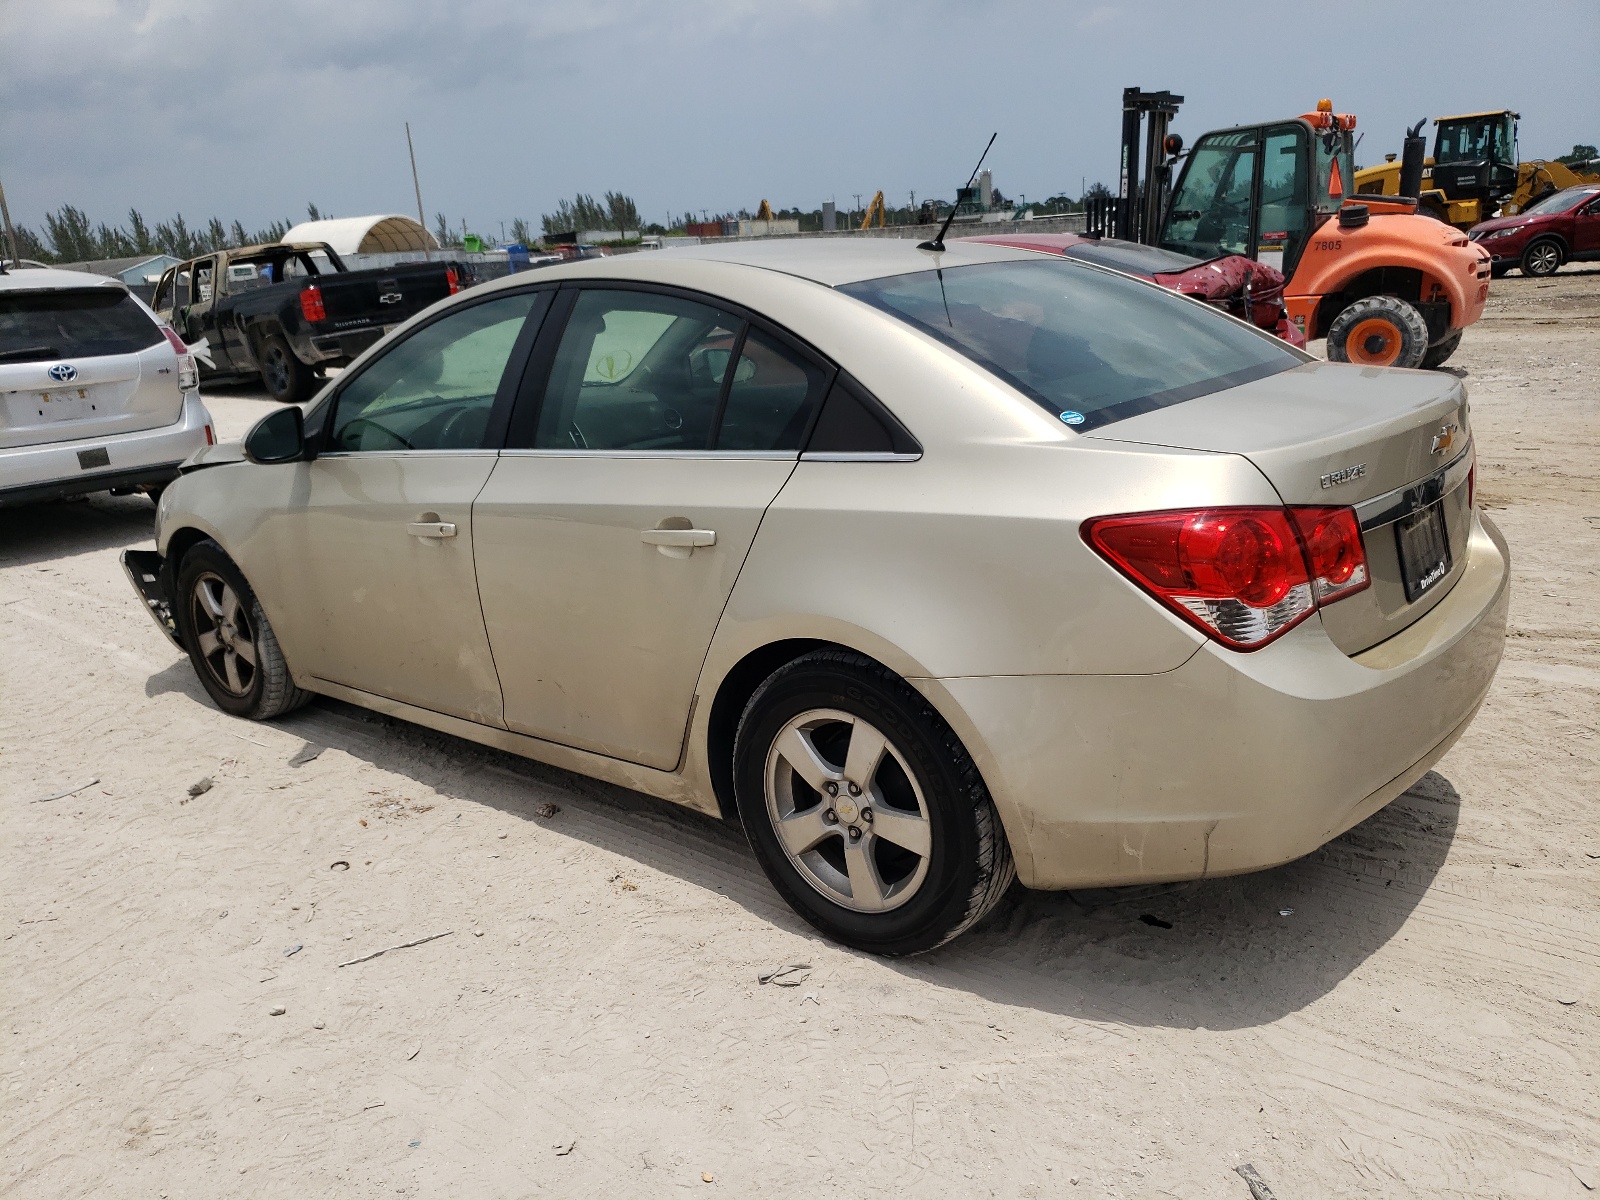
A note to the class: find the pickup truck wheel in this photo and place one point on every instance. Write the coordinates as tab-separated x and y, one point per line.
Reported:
287	379
1379	331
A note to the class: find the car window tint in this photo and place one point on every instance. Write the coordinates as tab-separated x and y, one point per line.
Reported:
435	390
636	371
770	398
73	323
1089	346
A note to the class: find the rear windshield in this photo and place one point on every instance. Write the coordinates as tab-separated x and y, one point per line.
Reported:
1089	346
85	323
1132	257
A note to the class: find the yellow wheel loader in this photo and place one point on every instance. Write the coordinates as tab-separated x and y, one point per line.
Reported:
1474	173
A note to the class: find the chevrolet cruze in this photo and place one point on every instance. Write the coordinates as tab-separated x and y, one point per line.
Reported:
931	567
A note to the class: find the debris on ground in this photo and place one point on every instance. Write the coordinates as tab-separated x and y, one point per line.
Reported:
415	1050
565	1148
199	788
546	809
623	882
68	792
707	1177
319	1024
1286	912
291	951
277	1010
402	946
305	754
1258	1186
792	975
339	865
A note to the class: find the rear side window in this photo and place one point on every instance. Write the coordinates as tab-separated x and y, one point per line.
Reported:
1088	346
84	323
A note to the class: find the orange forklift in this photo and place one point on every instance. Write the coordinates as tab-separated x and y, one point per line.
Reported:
1384	284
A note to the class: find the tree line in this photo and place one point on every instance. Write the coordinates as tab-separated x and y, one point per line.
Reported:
69	235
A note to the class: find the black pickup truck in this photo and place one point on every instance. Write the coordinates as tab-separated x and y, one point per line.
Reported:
286	311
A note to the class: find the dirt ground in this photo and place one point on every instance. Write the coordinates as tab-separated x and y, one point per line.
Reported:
1412	1010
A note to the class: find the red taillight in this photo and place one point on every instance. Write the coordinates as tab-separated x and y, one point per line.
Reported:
1244	576
311	304
211	437
453	279
174	340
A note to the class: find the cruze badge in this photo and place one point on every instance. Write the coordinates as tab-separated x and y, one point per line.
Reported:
63	372
1344	475
1444	439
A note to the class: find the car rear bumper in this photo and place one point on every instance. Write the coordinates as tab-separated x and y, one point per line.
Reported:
54	470
1232	762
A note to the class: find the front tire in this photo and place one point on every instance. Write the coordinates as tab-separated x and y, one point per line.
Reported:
286	378
1379	331
864	808
229	640
1442	349
1541	258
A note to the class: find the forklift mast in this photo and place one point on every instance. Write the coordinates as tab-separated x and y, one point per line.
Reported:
1140	208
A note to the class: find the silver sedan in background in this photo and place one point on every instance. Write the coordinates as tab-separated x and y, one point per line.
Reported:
932	568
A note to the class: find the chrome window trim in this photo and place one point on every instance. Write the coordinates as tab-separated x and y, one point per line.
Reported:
758	455
472	453
1391	506
857	456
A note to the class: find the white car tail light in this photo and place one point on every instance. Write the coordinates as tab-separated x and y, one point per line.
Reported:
1243	576
188	369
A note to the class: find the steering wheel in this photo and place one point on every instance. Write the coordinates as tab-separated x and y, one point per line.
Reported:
344	434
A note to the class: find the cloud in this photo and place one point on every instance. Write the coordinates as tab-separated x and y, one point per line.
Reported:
1100	15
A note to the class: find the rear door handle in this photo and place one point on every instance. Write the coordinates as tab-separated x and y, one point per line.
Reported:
678	537
431	529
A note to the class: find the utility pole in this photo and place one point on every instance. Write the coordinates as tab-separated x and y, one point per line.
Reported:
421	219
11	234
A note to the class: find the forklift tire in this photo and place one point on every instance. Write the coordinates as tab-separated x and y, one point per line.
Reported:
1542	258
1441	350
1379	331
1499	270
286	378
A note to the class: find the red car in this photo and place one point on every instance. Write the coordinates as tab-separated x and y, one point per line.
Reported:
1563	227
1220	281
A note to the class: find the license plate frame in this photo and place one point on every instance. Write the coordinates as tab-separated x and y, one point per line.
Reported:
1422	541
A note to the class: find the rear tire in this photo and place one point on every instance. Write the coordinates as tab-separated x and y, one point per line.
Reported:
913	853
286	378
1441	350
229	640
1379	331
1542	258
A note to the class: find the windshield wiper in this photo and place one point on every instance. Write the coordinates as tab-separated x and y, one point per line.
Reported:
30	352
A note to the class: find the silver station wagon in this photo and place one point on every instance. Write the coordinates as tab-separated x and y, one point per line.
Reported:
931	568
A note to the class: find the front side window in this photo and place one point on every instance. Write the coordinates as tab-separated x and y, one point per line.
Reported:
76	323
1560	202
1210	214
1088	346
636	371
436	389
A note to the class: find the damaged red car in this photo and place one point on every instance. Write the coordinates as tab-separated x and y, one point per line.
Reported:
1238	285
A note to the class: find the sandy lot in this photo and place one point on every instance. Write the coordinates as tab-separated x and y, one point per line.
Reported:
1413	1010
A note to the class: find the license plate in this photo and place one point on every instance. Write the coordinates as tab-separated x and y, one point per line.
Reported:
1424	549
64	406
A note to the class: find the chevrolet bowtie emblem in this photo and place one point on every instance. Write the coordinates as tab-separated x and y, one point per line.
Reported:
1444	439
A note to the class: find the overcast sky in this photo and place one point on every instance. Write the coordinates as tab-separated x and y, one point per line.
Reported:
247	110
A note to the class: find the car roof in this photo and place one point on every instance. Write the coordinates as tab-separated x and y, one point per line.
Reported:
1048	242
40	279
833	261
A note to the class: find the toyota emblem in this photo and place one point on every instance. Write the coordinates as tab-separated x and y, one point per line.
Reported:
63	372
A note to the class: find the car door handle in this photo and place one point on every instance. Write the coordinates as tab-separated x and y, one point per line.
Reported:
431	529
679	537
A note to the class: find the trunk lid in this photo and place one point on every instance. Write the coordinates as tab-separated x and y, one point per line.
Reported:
115	394
1395	445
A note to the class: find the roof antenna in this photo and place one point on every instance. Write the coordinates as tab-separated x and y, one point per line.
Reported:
938	241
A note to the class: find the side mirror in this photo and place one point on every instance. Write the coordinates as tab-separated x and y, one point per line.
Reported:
279	437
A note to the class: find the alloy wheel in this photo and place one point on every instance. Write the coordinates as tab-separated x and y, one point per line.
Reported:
277	370
848	810
1544	259
223	634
